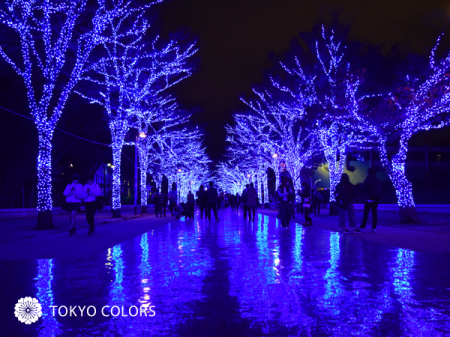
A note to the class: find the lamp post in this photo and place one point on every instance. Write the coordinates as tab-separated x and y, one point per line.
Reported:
141	135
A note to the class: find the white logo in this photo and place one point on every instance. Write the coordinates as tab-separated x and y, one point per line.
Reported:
28	310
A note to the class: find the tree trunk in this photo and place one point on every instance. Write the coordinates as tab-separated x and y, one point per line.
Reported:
144	192
335	175
44	181
405	199
409	215
266	188
143	165
116	183
403	187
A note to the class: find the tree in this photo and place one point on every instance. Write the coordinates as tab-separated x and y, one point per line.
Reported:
276	131
56	40
130	75
419	101
329	96
157	124
180	156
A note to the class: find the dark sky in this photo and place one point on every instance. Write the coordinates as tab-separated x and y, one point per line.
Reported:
236	37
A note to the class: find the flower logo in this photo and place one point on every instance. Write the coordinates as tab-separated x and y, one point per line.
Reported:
28	310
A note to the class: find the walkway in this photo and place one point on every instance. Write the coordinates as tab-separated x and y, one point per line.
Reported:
235	278
432	236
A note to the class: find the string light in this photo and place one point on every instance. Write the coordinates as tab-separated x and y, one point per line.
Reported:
130	80
32	21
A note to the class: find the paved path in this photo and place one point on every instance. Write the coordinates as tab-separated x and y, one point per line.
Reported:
229	278
421	238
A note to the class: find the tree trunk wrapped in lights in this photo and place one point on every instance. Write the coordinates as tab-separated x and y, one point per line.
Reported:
55	46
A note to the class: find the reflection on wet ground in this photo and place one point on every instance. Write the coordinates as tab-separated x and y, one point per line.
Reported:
237	278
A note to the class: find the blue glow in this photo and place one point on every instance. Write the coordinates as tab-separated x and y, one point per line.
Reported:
44	279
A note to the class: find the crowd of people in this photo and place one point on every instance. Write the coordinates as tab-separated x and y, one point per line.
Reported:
210	201
345	193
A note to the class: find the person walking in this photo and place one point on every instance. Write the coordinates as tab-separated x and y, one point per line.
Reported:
232	200
244	201
90	193
73	193
172	200
317	200
211	196
252	195
202	200
345	192
372	188
163	201
284	193
191	204
291	199
307	203
157	202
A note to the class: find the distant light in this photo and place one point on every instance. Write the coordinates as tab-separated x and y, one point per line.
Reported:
248	175
109	165
142	134
179	170
71	165
275	155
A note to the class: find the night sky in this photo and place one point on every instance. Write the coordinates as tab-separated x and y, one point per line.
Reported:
237	38
239	43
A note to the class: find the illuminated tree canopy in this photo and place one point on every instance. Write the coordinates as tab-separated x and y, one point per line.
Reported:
56	40
129	79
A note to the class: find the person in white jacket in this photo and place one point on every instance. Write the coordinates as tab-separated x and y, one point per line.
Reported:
90	193
73	193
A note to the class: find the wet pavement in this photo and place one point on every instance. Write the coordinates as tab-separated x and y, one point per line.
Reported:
235	278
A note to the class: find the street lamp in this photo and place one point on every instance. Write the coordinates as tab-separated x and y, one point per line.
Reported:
141	135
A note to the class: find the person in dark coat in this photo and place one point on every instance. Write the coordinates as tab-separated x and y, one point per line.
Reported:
157	202
345	192
244	200
202	200
317	200
172	200
284	194
211	195
252	196
372	188
307	200
191	204
163	200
